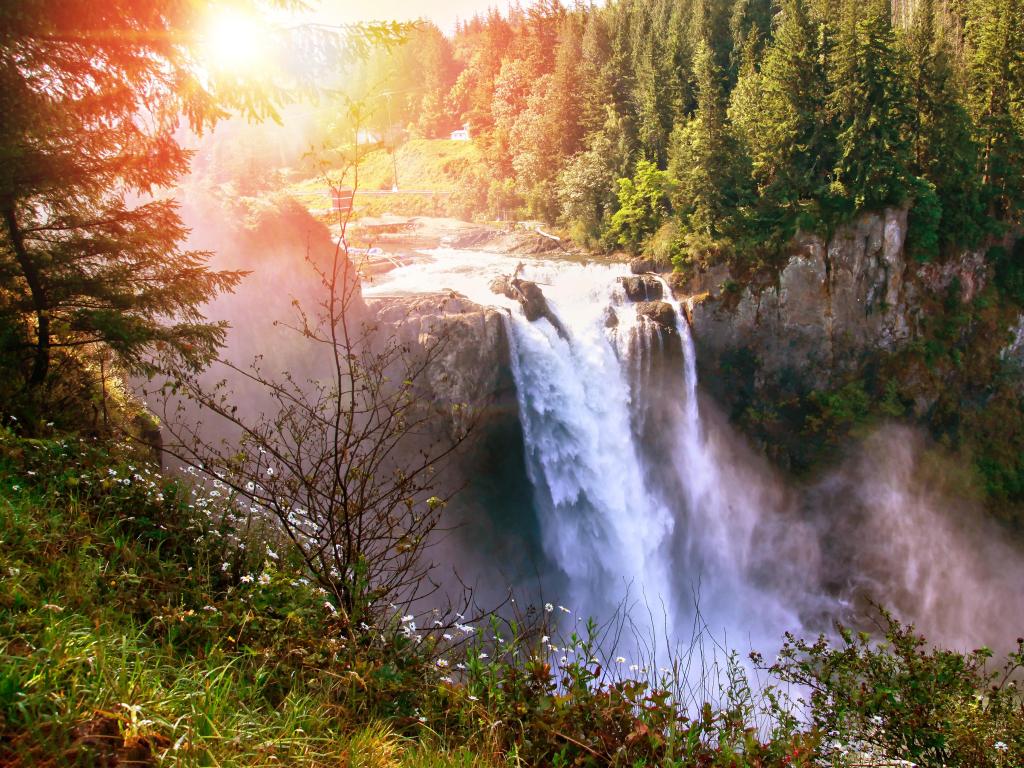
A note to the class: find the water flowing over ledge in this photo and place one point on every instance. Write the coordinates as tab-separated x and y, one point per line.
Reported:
644	500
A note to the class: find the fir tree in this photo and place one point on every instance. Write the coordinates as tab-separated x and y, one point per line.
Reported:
706	159
944	150
90	99
781	112
871	105
996	91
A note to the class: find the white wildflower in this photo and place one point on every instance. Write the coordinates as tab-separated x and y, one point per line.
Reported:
620	659
247	579
549	607
1000	746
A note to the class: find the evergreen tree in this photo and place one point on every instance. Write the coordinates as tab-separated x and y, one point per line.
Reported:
90	99
996	91
706	160
871	105
781	113
944	149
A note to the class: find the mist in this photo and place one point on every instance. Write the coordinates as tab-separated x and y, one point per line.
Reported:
734	547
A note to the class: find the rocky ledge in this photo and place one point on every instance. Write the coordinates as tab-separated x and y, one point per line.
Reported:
471	372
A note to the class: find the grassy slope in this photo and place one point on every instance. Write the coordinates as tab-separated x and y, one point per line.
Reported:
135	631
424	165
125	639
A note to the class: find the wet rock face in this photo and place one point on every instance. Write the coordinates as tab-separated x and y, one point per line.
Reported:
641	264
661	313
472	365
642	288
530	298
835	302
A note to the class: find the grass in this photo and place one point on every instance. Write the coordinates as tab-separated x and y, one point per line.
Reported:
138	626
439	166
125	640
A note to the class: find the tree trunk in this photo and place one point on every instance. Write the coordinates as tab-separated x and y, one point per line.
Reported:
30	270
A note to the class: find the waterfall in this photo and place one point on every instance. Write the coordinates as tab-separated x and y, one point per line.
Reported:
602	525
644	502
633	509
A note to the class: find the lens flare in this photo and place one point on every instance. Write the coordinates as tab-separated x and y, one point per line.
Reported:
235	42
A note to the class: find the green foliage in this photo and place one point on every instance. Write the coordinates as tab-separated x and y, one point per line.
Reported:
1009	270
870	101
150	621
924	221
643	204
896	699
705	159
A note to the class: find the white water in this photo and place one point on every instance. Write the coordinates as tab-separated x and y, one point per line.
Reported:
645	497
658	530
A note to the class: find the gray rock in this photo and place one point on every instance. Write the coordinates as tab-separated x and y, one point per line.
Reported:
530	298
469	342
642	288
834	302
641	264
660	312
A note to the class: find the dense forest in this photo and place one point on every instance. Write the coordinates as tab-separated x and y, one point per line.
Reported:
716	128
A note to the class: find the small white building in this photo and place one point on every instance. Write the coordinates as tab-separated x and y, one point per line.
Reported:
462	134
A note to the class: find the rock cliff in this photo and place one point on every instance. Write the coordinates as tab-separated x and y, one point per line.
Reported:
833	301
471	373
835	304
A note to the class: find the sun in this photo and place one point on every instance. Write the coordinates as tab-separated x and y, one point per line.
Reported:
235	42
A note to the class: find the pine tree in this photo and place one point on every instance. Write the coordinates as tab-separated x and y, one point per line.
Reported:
996	91
870	102
781	113
90	98
706	160
944	149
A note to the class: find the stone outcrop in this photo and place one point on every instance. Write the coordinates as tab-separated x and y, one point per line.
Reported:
640	264
472	367
530	298
834	302
661	313
642	288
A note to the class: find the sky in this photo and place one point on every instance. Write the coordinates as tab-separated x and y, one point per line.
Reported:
441	12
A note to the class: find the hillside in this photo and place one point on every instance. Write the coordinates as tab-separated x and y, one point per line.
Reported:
434	178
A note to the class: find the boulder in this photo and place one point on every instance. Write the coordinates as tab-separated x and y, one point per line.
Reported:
641	264
642	288
661	313
530	298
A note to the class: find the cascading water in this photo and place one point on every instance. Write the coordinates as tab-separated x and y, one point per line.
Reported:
639	497
626	488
